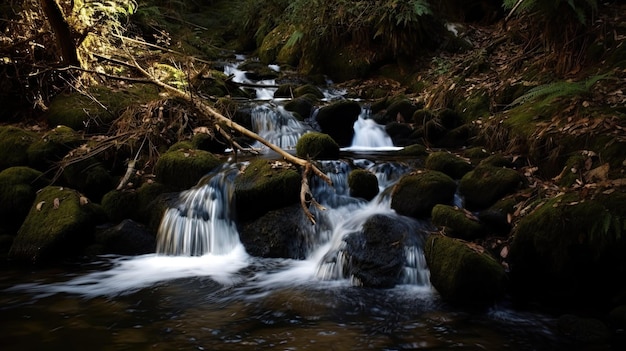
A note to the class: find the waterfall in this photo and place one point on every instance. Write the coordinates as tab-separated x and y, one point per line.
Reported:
201	222
276	125
369	135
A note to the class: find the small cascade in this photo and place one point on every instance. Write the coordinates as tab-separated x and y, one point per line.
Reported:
201	223
265	88
369	135
276	125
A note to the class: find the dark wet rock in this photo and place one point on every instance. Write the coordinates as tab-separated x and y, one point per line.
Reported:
126	238
485	185
263	186
376	254
182	168
90	177
584	330
449	119
400	110
400	133
416	194
280	233
421	116
285	91
120	204
337	120
18	189
458	223
318	146
59	225
569	251
363	184
308	90
303	106
450	164
463	273
211	143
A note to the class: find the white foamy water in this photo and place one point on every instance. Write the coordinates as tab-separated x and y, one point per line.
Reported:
370	136
276	125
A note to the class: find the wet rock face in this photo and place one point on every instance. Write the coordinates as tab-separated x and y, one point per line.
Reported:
337	120
126	238
376	254
363	184
416	194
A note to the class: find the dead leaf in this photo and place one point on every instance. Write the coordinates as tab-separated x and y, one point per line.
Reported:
56	203
509	218
504	252
40	205
600	173
83	200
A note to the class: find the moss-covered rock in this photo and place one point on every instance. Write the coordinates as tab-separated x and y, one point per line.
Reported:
421	116
262	188
303	106
413	150
416	194
318	146
463	273
570	251
497	160
18	188
458	223
59	225
273	42
182	168
448	163
400	110
308	90
13	145
363	184
337	120
280	233
211	143
89	177
80	112
285	91
52	146
120	204
400	133
485	185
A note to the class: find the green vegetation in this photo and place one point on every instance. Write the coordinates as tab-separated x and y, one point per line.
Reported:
317	146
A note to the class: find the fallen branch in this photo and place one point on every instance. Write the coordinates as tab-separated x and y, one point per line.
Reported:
306	197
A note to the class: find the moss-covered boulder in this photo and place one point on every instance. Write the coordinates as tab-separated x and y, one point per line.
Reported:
337	120
308	90
303	106
497	160
458	223
416	194
317	146
80	112
280	233
450	164
126	238
13	145
485	185
570	250
90	177
182	168
59	225
400	133
400	110
463	273
363	184
273	42
262	187
413	150
52	146
18	188
120	204
285	91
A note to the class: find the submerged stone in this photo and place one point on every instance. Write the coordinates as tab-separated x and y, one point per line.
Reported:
463	273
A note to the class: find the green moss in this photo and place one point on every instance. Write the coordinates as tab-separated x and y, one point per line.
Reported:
484	185
120	204
413	150
303	106
79	112
13	145
476	153
475	106
448	163
497	160
572	170
52	147
421	116
181	169
457	222
18	188
181	145
58	226
363	184
308	89
262	188
416	194
566	238
273	42
318	146
89	177
463	274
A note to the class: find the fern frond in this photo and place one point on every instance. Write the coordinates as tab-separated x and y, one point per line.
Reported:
551	91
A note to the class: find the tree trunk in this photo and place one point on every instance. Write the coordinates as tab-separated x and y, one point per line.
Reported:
62	32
